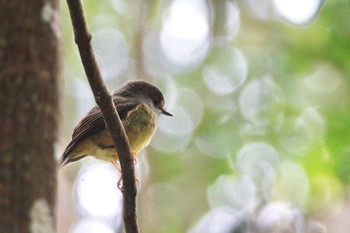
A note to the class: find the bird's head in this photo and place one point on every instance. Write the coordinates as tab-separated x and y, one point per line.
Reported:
145	91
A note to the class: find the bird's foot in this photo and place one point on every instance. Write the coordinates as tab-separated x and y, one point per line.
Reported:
120	181
116	165
134	158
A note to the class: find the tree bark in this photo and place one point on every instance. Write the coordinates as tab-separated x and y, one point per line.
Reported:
29	113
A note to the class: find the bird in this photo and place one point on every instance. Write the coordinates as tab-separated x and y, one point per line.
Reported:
139	105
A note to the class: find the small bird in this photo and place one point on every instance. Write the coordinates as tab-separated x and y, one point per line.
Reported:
138	104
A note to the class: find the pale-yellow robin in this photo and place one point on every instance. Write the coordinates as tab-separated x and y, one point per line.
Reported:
139	105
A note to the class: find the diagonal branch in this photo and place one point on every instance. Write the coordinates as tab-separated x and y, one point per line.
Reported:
113	123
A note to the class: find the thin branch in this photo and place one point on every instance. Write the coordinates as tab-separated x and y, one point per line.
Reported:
113	123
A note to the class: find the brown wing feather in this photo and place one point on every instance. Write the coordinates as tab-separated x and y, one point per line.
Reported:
93	123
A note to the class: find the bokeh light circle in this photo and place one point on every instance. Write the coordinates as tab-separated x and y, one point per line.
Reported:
96	191
225	73
292	185
91	226
302	131
111	51
231	191
173	133
259	161
218	220
184	37
261	103
276	217
297	11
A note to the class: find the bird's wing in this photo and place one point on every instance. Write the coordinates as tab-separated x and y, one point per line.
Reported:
93	123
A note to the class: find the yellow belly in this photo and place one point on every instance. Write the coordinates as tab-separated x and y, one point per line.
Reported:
139	125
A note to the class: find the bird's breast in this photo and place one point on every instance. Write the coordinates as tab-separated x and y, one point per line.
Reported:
140	126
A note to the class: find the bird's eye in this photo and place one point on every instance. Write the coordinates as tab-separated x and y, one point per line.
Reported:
161	104
155	103
158	103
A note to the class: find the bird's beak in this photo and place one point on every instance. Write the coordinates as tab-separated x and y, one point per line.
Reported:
166	113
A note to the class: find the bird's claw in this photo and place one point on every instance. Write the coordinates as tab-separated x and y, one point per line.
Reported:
134	158
116	165
120	181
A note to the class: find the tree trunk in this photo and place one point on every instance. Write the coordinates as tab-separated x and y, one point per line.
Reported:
29	113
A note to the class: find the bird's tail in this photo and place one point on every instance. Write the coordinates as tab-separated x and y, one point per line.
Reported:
71	154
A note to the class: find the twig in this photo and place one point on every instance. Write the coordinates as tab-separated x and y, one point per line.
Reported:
113	123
